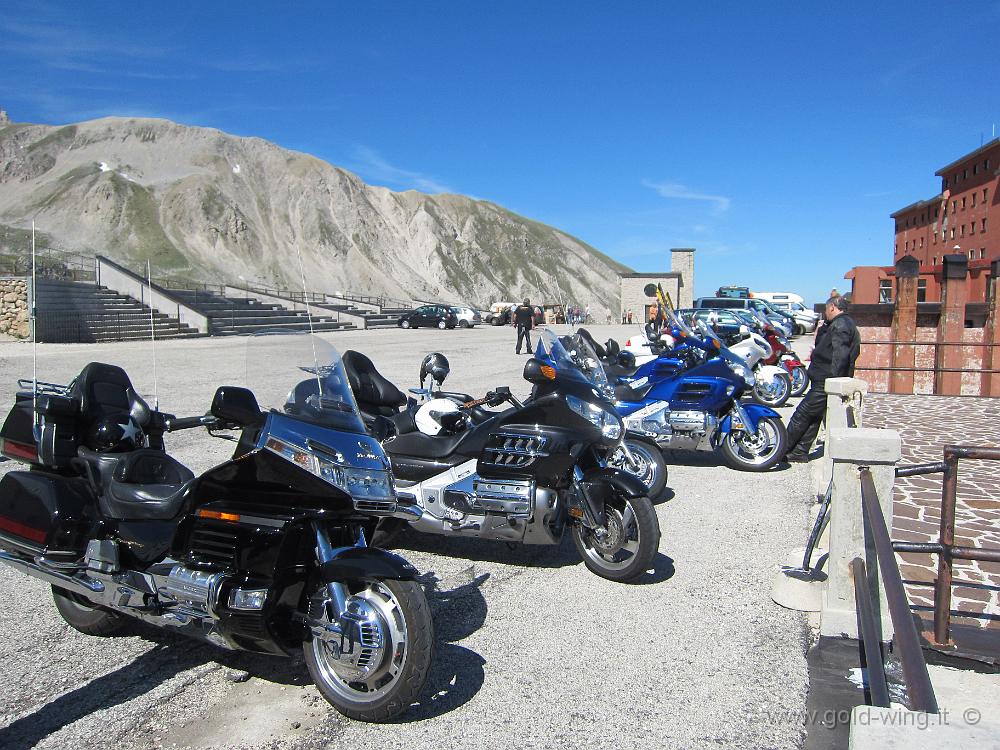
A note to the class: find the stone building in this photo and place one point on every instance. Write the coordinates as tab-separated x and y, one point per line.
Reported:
677	283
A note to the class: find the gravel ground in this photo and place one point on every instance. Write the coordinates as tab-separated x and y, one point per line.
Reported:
532	649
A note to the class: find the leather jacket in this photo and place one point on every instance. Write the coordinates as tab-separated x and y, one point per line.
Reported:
838	345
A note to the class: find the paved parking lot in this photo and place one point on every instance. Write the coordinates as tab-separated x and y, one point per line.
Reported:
532	649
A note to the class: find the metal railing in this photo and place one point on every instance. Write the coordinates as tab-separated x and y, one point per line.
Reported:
918	681
945	548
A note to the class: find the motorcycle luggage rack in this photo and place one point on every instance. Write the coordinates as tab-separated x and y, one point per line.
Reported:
41	388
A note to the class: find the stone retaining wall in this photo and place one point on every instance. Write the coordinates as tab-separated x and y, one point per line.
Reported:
14	307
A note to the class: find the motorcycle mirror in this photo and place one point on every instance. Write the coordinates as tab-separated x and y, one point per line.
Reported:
236	405
536	372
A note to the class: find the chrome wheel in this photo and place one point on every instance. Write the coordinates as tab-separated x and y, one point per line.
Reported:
755	451
800	381
622	549
647	465
774	392
377	668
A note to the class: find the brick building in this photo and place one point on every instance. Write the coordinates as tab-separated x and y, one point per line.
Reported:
963	219
678	283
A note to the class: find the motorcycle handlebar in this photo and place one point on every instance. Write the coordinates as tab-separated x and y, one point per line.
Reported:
185	423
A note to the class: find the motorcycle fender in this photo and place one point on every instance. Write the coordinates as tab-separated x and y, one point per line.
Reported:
367	564
754	413
791	362
624	482
769	372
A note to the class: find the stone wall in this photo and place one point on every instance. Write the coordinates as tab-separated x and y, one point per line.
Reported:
14	307
632	297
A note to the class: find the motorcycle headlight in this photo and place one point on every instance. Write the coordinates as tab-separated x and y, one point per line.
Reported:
603	419
361	484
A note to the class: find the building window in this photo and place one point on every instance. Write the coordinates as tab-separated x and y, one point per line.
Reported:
934	261
921	242
963	202
885	291
921	290
973	200
975	168
963	230
953	232
984	226
965	174
982	253
944	185
984	194
972	254
954	206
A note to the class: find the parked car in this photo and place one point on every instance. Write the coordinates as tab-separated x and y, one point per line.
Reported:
436	316
805	318
779	317
733	292
500	313
775	297
467	317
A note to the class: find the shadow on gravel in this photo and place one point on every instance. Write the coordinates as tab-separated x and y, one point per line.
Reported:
707	459
487	550
662	570
457	672
665	496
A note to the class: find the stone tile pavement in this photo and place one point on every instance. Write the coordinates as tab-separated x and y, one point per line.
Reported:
926	424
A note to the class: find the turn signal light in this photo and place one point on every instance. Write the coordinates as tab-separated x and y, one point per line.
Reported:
549	372
217	515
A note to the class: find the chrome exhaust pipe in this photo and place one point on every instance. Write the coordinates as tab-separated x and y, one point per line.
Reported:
83	586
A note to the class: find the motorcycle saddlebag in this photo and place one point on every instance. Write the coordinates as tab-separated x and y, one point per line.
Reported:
42	513
17	437
58	418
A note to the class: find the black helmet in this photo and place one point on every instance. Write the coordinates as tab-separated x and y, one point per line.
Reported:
115	435
436	365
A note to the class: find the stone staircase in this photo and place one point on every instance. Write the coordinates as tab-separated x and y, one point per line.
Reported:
77	312
387	318
232	316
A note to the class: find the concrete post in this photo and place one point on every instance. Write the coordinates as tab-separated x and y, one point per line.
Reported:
990	384
850	449
904	324
951	326
841	394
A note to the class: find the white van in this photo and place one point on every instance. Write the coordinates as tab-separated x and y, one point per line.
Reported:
779	297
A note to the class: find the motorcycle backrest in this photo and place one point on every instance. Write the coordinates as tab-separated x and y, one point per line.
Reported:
236	405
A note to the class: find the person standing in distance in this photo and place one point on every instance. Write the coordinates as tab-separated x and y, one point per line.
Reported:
524	319
838	344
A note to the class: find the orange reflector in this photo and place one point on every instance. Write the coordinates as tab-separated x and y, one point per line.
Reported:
218	515
549	372
718	344
576	512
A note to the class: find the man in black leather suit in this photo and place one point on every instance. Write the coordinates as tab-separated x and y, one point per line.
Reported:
524	319
838	345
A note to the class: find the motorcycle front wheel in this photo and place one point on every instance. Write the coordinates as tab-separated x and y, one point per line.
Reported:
624	548
649	467
774	393
387	664
757	451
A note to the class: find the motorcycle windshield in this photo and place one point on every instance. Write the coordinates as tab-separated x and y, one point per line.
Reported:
572	354
302	376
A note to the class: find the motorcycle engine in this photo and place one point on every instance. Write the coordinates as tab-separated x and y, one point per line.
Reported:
693	423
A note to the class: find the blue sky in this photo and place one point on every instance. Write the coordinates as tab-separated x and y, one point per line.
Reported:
776	138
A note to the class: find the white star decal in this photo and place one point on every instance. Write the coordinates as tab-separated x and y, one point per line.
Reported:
130	431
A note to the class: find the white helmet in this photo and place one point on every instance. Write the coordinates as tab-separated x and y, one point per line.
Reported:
440	416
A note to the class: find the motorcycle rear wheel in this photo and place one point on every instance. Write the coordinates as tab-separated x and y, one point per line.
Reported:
759	451
624	549
800	381
650	469
774	394
85	616
405	622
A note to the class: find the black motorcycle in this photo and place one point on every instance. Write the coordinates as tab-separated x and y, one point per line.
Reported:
525	474
266	552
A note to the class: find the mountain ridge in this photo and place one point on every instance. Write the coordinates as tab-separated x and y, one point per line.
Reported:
201	203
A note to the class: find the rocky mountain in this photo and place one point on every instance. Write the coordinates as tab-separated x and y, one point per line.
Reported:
205	205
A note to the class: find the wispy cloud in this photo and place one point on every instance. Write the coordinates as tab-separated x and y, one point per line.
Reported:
371	165
676	190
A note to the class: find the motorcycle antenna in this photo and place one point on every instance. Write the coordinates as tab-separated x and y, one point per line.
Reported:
309	317
34	338
152	335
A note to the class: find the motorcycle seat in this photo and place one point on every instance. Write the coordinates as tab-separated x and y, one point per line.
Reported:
376	396
146	484
625	392
419	445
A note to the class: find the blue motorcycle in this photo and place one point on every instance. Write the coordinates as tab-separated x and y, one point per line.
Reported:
689	398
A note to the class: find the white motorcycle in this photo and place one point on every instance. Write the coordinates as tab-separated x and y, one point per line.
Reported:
773	383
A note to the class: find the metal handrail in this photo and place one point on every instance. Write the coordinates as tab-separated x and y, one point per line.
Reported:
877	684
918	682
